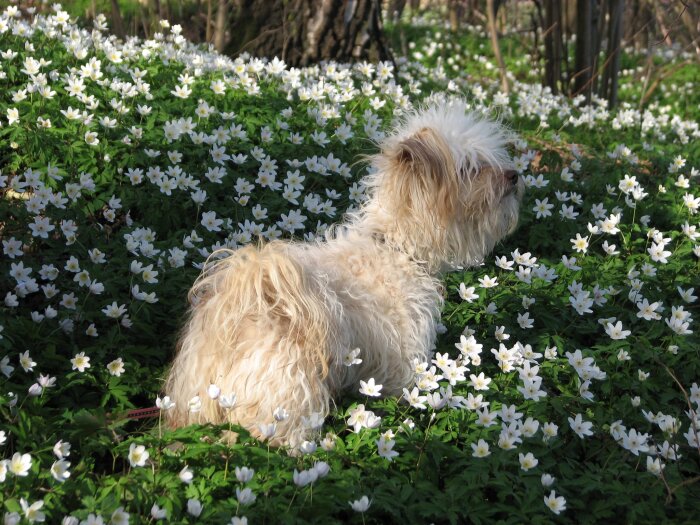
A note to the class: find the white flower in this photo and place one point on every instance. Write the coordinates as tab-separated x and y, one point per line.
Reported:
61	449
610	249
580	427
308	447
26	362
12	115
580	244
280	414
267	430
648	311
20	464
547	480
305	477
385	448
527	461
227	401
245	496
181	91
157	513
542	208
165	403
119	517
549	430
360	505
213	391
59	470
194	405
194	507
244	474
524	321
321	468
555	503
116	367
635	442
210	221
370	388
467	294
80	362
91	138
488	282
655	466
658	253
32	512
615	331
352	357
186	475
687	295
480	382
138	455
480	449
414	398
92	519
114	311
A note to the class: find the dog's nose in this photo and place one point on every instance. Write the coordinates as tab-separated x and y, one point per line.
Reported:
511	176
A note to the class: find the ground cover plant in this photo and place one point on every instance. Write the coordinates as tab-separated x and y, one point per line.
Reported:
566	384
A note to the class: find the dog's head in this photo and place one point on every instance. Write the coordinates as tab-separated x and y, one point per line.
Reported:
444	188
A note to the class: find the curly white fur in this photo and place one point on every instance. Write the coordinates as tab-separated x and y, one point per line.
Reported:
273	324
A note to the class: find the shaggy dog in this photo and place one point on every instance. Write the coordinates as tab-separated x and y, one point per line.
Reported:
275	325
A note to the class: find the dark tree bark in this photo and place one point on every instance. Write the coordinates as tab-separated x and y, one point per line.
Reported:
608	88
117	21
455	10
491	15
553	52
689	15
220	25
396	8
585	44
302	32
209	24
644	29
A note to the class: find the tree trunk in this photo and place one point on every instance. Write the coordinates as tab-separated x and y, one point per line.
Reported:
117	21
145	20
207	29
158	9
396	8
220	27
665	32
599	10
302	32
491	14
585	28
454	10
645	34
553	45
689	14
612	61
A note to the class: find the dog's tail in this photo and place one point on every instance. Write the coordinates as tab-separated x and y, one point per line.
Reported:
259	327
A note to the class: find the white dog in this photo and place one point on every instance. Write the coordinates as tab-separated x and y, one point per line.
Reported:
274	325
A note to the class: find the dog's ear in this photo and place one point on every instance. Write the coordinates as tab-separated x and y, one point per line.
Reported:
422	151
424	178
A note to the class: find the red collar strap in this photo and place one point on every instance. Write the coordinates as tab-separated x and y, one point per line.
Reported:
143	413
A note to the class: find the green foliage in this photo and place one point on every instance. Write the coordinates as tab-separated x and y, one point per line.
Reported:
145	222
